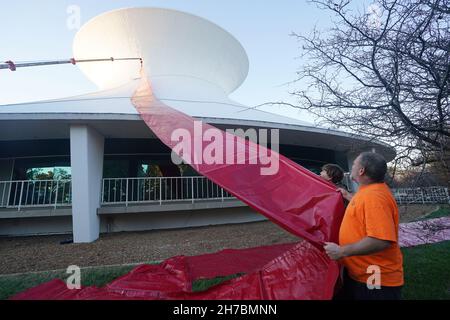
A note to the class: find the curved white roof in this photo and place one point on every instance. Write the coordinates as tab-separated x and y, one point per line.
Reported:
118	101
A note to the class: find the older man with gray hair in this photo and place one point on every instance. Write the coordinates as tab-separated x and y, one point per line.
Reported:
368	238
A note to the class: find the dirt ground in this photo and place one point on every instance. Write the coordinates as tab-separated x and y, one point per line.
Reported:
42	253
39	253
412	212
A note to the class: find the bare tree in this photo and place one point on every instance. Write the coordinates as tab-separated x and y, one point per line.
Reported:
384	74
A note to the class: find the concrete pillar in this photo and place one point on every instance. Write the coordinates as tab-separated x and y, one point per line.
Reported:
86	157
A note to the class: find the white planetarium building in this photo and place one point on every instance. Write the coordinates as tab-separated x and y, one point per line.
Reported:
89	164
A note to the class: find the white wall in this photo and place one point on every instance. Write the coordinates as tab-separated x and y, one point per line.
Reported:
179	219
36	226
131	221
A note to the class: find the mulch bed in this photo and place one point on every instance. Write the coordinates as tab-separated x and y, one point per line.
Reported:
42	253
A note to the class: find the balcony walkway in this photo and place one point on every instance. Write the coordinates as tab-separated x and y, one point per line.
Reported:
52	198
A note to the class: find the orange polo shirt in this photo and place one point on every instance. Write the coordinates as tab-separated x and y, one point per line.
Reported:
373	212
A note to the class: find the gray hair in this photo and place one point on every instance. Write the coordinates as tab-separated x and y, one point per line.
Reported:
374	165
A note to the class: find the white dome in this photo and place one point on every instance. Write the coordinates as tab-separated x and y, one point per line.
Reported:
171	43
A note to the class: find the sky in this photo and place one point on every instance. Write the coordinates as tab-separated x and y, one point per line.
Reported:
41	30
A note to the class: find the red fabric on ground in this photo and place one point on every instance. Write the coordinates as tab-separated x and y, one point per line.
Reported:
176	275
301	272
424	232
233	261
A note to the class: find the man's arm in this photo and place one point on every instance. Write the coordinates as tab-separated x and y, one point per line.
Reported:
363	247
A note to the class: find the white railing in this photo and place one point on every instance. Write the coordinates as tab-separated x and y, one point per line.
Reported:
427	195
160	189
35	193
125	191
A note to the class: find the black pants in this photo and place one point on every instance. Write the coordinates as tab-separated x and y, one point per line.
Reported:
355	290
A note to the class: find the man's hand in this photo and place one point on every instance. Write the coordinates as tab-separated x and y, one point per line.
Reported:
334	251
347	195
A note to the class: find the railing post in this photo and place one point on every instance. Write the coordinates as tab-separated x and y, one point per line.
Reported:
126	194
45	192
160	191
63	194
102	196
20	198
192	188
222	193
2	204
423	196
446	193
182	188
56	193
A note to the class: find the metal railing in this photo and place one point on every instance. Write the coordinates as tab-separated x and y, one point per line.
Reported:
35	193
426	195
160	189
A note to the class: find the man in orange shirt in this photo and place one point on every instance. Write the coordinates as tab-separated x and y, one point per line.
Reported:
368	237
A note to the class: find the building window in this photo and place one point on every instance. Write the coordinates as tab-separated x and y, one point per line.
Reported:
42	168
48	173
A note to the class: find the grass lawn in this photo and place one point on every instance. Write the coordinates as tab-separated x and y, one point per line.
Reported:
427	275
427	271
97	276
